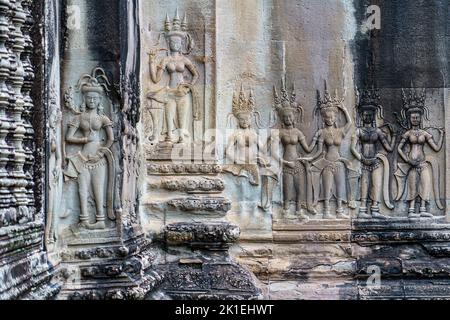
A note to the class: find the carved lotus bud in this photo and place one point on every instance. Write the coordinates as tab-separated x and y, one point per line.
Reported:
179	168
164	168
123	251
115	295
113	271
195	168
172	185
191	185
207	185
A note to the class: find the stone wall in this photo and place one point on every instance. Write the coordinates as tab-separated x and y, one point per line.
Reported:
224	149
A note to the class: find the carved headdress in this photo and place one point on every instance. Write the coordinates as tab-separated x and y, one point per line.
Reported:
328	101
369	100
178	28
244	104
287	102
413	102
95	82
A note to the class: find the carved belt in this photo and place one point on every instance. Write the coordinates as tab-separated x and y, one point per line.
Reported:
374	166
299	168
98	164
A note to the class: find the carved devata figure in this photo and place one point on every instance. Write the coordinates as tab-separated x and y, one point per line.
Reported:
244	153
93	165
419	174
54	161
296	185
330	172
177	95
375	179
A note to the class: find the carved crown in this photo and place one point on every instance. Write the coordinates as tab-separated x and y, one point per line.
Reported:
413	101
368	99
328	101
176	27
95	82
242	104
285	101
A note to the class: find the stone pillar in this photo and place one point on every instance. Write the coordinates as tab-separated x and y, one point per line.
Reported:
24	266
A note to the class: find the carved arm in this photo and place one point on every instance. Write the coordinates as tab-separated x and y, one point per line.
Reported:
384	141
195	75
70	136
400	149
156	70
354	146
436	146
348	118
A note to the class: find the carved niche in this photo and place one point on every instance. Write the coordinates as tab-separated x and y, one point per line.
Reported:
90	165
178	86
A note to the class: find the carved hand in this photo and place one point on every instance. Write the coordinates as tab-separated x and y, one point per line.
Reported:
88	139
367	162
152	55
289	164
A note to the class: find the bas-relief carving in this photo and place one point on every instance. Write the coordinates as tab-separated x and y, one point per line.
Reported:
90	161
418	176
375	167
55	165
203	185
296	180
174	111
332	174
245	157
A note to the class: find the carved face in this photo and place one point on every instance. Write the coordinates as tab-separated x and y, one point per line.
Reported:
175	44
368	116
329	116
415	119
244	120
288	118
92	99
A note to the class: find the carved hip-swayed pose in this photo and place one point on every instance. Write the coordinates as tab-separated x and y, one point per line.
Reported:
331	172
375	165
177	95
295	174
419	174
93	166
243	151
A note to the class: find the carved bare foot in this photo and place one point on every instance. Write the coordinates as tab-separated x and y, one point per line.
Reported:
362	214
352	205
424	213
312	210
377	215
327	215
83	225
412	214
98	225
301	214
340	214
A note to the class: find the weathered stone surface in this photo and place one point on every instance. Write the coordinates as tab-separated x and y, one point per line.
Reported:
224	149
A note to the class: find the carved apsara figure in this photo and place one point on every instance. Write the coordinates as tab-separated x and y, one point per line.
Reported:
331	173
176	96
375	173
296	187
55	165
244	154
419	174
93	165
